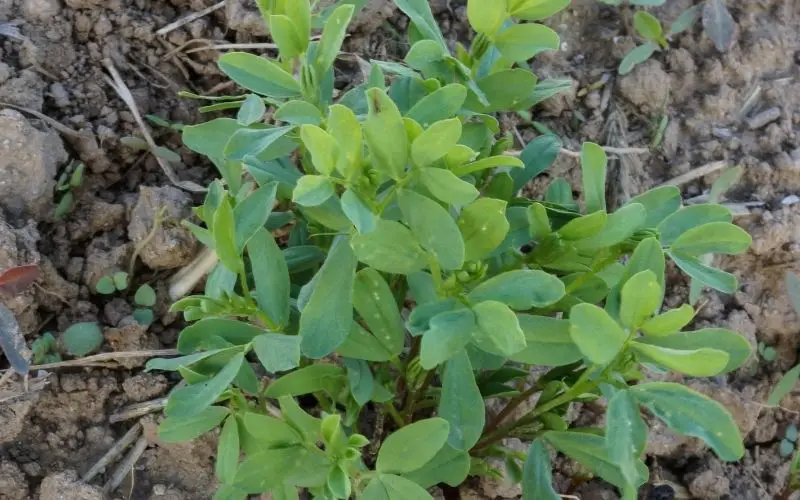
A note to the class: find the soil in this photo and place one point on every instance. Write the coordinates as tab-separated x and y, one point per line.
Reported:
53	433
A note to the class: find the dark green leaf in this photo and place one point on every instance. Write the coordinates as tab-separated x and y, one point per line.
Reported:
192	399
521	289
145	296
325	321
439	105
549	342
626	435
176	429
459	400
784	386
410	447
259	74
447	335
505	90
593	170
537	475
715	278
81	338
295	416
251	214
358	212
391	487
685	21
362	383
375	303
660	203
270	468
692	414
227	451
270	431
259	143
210	138
619	226
434	227
361	344
277	353
498	329
271	277
420	14
298	113
537	156
253	108
197	336
313	378
449	466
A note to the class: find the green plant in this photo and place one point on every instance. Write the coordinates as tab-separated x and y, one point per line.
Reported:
411	285
145	296
45	349
82	338
70	179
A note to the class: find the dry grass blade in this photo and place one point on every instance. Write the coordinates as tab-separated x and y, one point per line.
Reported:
696	173
126	465
112	454
189	18
185	280
124	93
138	410
106	356
53	123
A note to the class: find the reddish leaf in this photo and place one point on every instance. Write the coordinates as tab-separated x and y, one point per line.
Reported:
16	279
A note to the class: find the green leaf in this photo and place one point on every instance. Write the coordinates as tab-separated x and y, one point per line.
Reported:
286	36
439	105
259	75
692	414
332	37
537	474
105	285
591	452
595	333
436	141
459	400
270	431
448	333
784	386
391	487
434	228
449	466
362	382
410	447
445	186
593	170
145	296
672	227
584	227
685	21
192	399
719	24
272	468
271	277
486	17
338	482
521	289
420	14
225	237
793	290
521	42
253	108
626	435
325	321
724	183
390	248
361	344
295	416
312	190
343	125
277	353
484	226
174	429
358	212
498	329
505	90
535	10
715	278
313	378
560	192
637	56
82	338
227	451
375	303
251	214
641	298
548	342
487	163
703	362
120	279
298	112
714	237
501	186
660	203
322	147
735	345
648	26
198	336
537	157
669	322
210	138
619	226
259	144
386	136
173	364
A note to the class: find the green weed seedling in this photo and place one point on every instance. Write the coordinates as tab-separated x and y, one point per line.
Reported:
145	296
70	179
411	285
45	349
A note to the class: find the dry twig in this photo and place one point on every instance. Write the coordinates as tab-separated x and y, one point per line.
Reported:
126	465
138	410
696	173
53	123
107	356
124	93
115	451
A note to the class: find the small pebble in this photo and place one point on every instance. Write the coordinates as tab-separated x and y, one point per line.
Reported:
764	118
790	200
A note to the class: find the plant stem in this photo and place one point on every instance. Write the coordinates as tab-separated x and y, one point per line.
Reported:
392	411
414	395
510	407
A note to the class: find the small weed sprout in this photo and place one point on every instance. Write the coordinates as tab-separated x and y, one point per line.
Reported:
145	296
376	261
70	179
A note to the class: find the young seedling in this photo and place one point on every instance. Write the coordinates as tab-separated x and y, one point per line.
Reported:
45	349
70	179
81	339
408	284
145	296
